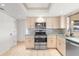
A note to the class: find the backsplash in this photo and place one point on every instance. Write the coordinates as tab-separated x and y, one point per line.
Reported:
49	31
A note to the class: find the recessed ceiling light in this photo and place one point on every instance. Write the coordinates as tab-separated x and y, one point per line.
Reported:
2	4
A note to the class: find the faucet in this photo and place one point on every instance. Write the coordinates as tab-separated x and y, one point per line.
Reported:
71	34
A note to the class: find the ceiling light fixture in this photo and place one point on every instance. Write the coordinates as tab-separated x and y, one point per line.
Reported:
40	19
2	4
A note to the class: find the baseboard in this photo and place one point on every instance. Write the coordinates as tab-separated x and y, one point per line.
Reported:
1	53
51	48
4	51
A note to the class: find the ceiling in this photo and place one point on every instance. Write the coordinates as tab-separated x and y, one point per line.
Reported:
37	6
22	10
16	10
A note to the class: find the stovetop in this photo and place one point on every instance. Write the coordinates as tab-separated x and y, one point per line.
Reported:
40	33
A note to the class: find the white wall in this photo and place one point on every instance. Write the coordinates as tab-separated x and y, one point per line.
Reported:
7	32
21	30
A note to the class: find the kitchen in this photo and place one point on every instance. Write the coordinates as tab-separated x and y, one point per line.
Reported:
52	30
40	29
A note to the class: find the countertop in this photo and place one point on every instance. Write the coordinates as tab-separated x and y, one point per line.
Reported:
75	39
54	34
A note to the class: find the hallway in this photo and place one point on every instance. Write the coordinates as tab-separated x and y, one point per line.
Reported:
20	50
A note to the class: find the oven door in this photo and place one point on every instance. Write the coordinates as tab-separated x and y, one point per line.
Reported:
40	39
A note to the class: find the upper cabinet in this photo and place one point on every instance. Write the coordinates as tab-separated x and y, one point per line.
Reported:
53	22
49	22
75	17
28	23
63	22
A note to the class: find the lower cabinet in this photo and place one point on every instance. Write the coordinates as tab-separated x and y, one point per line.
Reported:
29	42
61	45
51	42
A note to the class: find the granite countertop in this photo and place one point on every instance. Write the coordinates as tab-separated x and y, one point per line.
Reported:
75	39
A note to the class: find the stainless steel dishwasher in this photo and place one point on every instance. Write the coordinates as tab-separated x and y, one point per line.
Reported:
72	48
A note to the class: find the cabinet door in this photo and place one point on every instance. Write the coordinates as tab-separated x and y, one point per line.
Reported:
51	43
28	23
61	46
29	43
49	22
32	20
53	22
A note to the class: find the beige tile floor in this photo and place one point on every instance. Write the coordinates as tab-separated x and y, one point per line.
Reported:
20	50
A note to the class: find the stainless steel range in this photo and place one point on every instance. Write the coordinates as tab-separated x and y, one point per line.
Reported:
40	38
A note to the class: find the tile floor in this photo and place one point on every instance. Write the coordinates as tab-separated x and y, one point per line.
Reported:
20	50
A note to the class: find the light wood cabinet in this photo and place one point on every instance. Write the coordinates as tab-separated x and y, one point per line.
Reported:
33	20
61	45
28	23
63	22
49	22
75	17
53	22
51	42
29	42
